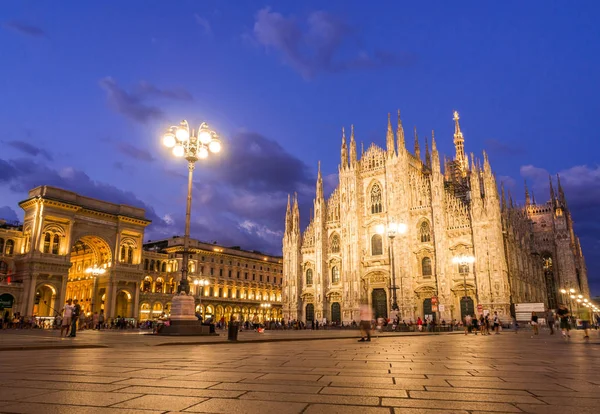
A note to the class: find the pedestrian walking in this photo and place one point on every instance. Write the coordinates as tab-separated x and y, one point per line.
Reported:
67	313
564	316
550	321
534	324
75	317
365	323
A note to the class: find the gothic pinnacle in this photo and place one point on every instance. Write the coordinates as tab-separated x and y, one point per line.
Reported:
400	135
417	149
390	138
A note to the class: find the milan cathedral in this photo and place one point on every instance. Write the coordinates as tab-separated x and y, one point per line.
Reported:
465	248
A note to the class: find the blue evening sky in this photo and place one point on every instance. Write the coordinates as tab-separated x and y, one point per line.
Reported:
86	88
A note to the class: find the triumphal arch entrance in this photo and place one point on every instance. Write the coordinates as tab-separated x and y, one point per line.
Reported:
81	248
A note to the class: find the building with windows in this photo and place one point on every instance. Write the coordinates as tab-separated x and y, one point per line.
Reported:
71	246
521	253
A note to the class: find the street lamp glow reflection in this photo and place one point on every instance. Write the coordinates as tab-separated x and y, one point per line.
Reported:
169	140
463	259
178	151
182	134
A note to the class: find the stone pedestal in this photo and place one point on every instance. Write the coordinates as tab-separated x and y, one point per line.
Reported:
183	308
183	320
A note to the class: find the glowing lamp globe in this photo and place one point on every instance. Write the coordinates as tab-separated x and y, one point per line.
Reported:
169	140
204	136
178	151
202	152
214	146
182	134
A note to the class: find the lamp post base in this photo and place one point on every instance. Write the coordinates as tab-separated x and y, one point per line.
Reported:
183	320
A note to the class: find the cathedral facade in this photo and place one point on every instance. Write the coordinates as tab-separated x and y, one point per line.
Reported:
465	248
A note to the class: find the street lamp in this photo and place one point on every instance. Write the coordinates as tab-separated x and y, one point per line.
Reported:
392	229
191	145
200	284
464	260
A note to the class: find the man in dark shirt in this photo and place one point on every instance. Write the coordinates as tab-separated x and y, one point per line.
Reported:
563	314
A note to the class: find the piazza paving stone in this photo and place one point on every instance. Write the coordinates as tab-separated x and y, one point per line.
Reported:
409	375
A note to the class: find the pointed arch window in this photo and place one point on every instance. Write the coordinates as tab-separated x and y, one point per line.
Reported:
147	285
335	275
158	285
309	277
425	232
10	247
376	199
335	244
163	267
426	267
376	245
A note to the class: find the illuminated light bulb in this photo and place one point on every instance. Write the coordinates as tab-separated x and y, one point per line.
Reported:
169	140
379	229
178	151
214	146
182	134
204	136
202	152
402	228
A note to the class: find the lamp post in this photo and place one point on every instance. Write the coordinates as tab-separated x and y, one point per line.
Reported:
200	284
391	230
461	261
95	271
192	145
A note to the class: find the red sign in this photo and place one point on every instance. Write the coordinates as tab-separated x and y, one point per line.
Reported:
434	300
479	308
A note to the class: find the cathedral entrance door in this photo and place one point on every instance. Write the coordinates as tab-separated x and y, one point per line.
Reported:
467	307
379	300
428	310
310	313
336	312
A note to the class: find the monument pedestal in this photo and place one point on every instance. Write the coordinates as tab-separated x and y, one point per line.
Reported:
183	318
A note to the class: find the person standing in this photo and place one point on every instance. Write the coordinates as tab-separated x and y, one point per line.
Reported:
365	323
496	323
67	313
550	321
564	315
534	323
75	317
468	324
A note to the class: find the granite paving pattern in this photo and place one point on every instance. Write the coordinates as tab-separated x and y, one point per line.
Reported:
506	373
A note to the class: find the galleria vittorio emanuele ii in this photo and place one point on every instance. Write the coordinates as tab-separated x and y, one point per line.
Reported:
413	233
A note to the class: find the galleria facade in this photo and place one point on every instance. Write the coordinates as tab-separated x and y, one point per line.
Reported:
517	254
71	246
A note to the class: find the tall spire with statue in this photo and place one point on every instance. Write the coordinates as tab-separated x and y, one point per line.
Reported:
459	146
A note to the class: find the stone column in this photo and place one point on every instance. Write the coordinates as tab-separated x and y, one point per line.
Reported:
136	301
29	295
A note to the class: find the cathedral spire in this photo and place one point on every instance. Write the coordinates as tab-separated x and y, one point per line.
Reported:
296	214
435	156
344	151
352	147
527	198
417	149
427	156
288	217
400	135
561	194
459	146
319	184
552	196
503	198
391	150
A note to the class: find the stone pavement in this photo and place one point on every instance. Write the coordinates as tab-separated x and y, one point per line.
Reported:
35	339
504	373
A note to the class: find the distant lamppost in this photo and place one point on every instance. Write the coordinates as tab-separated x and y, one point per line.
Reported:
462	261
391	230
200	284
95	271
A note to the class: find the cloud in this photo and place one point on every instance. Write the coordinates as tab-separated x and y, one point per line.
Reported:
24	29
495	146
30	149
323	43
134	152
135	105
21	175
204	23
8	214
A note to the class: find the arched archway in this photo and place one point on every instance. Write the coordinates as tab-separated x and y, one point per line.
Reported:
46	301
145	312
123	307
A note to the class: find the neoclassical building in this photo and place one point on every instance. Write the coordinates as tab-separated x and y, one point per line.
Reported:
64	235
522	254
